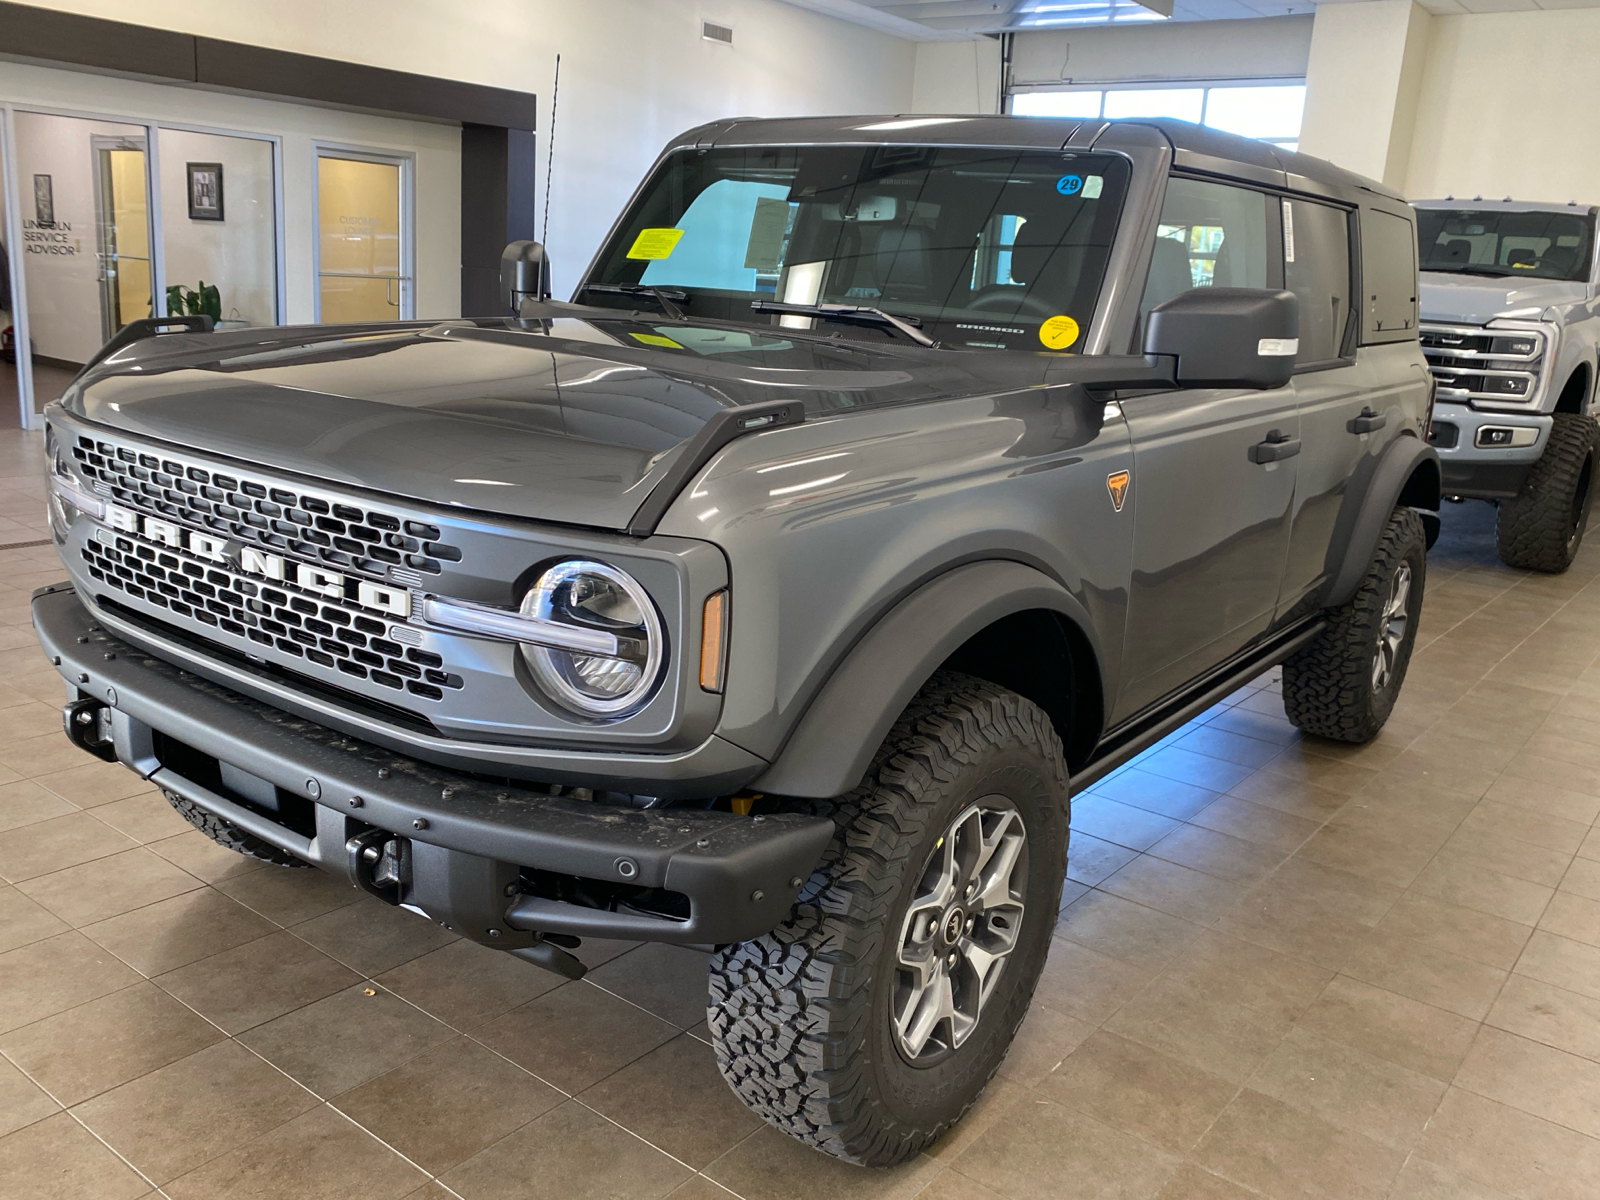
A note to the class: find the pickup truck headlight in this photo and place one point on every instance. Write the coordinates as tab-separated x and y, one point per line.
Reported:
595	596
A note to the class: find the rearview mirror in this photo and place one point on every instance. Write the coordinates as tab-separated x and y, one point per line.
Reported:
1227	337
524	274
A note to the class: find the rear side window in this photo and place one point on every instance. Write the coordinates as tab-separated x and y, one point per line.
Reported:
1316	268
1388	277
1210	235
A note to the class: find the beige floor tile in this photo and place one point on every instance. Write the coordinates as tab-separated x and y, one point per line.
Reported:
47	755
95	1046
171	933
1217	742
1091	860
1507	856
1538	769
1521	824
1545	798
1257	823
1236	971
1360	853
1522	1155
450	1102
1456	930
1572	965
952	1185
1285	1151
1050	1151
1420	1179
464	984
49	976
1470	882
204	859
109	887
1572	916
575	1035
58	1159
596	1160
1202	770
289	895
1120	824
319	1155
675	1098
345	1039
88	782
1354	1090
1300	762
194	1110
995	1106
1422	972
1548	1014
1228	1040
26	803
1582	878
145	818
1217	854
1196	1183
1414	1035
22	1102
668	981
1139	1090
371	937
1133	933
1043	1041
1155	793
1086	984
258	981
1539	1079
56	844
1174	889
23	920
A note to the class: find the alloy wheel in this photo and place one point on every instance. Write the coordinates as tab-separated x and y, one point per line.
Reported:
1392	626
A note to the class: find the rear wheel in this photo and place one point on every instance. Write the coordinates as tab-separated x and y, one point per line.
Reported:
1542	528
870	1021
226	833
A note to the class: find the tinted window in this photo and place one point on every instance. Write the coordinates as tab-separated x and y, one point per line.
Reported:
1388	276
1468	242
1210	235
1316	268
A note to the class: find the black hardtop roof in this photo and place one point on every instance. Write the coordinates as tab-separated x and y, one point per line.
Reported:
1189	141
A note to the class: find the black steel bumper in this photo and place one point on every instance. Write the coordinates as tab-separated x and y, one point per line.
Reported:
464	842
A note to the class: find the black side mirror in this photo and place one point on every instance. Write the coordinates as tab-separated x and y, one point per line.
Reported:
1227	337
524	274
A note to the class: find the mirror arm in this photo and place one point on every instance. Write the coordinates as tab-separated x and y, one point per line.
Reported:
1101	373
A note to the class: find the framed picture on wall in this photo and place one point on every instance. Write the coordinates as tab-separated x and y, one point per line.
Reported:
205	191
44	202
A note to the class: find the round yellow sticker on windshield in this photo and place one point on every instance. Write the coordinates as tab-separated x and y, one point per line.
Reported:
1059	332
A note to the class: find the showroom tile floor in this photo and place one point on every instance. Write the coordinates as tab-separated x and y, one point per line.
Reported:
1283	969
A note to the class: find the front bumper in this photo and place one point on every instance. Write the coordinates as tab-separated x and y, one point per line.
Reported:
1485	471
469	843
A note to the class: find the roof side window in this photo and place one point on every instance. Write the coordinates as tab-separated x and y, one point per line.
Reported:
1388	277
1316	268
1209	235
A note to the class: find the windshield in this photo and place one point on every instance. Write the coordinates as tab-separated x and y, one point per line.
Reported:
985	248
1545	245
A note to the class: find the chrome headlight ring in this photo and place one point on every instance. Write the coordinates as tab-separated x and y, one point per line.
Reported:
594	596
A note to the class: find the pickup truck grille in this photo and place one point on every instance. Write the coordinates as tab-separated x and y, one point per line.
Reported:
1500	366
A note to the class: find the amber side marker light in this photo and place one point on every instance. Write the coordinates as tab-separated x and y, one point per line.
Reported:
713	638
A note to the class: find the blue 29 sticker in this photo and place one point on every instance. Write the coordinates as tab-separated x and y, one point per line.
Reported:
1069	185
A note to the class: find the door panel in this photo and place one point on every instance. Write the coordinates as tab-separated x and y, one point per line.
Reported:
361	272
1211	531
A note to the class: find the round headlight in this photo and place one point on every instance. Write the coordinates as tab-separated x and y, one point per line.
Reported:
592	595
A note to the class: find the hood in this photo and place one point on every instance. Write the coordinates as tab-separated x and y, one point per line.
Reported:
1479	299
569	420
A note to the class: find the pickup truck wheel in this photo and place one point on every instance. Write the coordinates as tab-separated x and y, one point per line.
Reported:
1343	685
1542	528
870	1021
226	833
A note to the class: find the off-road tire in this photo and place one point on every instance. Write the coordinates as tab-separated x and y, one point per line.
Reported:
226	833
1542	528
1328	685
800	1017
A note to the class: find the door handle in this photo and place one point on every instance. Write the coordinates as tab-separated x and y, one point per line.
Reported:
1278	446
1367	421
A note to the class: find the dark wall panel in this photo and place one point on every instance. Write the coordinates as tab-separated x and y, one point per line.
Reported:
498	196
40	33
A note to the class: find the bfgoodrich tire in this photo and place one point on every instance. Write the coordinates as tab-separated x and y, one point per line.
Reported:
1542	528
1343	685
226	833
946	864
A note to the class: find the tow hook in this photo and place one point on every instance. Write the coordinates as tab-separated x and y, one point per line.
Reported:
88	726
380	863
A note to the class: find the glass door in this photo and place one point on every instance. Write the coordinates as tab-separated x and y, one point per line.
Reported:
363	237
122	225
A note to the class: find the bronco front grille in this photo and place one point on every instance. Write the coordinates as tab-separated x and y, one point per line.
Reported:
280	519
1499	366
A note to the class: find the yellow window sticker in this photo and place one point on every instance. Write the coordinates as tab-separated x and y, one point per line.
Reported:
655	339
655	243
1058	332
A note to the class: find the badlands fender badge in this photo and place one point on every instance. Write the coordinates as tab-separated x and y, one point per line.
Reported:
1117	485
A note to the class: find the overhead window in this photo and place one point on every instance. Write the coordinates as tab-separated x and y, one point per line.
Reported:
1270	111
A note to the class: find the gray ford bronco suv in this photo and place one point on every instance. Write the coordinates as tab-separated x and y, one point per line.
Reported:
886	480
1510	323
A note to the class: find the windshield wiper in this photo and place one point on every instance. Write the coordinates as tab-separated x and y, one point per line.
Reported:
667	298
1491	273
849	312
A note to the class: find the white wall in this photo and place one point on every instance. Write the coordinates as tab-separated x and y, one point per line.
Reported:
633	73
957	77
1272	47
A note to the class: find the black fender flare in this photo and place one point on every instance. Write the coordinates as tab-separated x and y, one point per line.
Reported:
831	746
1359	527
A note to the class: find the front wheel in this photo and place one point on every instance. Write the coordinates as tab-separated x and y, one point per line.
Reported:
1543	526
870	1021
1343	685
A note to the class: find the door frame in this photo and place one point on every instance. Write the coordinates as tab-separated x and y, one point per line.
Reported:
406	161
105	240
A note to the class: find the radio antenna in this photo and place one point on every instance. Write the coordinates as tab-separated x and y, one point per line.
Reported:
550	161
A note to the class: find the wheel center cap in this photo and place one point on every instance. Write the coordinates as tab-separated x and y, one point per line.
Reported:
954	921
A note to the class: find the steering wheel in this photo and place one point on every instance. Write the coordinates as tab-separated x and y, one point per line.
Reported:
1005	296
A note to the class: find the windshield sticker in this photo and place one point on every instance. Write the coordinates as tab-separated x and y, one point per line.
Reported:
655	339
1288	233
1092	186
1069	185
764	251
655	243
1058	332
